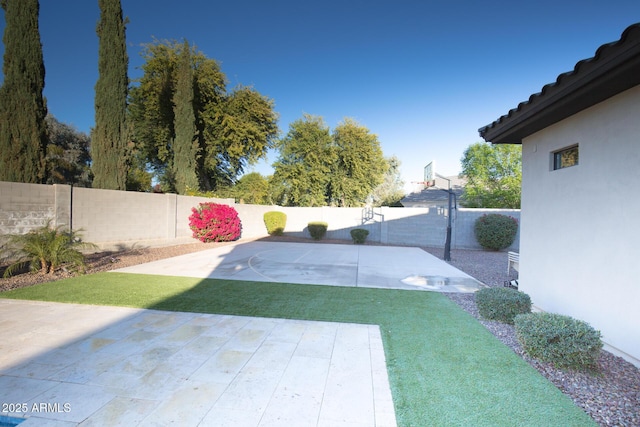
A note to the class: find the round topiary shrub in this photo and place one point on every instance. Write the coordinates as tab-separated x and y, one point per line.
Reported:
213	222
502	304
275	222
317	229
562	340
495	231
359	235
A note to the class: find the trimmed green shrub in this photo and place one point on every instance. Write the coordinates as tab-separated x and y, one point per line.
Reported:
359	235
495	231
562	340
502	304
317	229
275	222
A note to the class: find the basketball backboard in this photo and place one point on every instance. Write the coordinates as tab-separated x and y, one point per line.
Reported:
430	174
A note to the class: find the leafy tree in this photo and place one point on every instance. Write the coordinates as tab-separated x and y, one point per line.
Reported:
68	158
23	132
139	179
185	146
252	188
359	166
303	170
151	110
494	175
238	133
317	167
391	191
109	138
232	129
277	190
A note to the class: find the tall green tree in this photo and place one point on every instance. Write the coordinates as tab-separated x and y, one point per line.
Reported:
23	132
317	167
391	190
238	133
303	170
252	188
494	175
68	158
110	150
232	129
359	167
186	149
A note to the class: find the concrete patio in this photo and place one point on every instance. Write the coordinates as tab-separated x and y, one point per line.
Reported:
390	267
68	365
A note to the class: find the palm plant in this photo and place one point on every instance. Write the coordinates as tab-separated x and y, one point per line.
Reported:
45	249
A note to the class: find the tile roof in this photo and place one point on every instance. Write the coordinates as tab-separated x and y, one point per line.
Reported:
614	68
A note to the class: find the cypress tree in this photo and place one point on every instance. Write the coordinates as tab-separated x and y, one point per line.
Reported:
185	147
109	149
23	132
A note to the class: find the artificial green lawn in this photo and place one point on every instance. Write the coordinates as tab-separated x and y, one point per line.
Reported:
444	367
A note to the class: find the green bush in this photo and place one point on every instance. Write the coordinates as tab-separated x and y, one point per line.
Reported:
45	249
502	304
359	235
561	340
317	229
495	231
275	222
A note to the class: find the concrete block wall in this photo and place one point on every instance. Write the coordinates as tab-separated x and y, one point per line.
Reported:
395	226
252	217
340	221
299	218
109	216
414	226
114	219
24	207
463	235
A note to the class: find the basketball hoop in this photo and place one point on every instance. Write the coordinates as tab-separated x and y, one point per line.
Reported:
430	175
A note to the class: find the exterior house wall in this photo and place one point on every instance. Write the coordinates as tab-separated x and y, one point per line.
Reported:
579	231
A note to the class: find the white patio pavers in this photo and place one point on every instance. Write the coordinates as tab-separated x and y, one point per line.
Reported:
122	366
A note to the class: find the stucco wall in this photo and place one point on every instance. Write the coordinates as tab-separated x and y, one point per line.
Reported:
579	231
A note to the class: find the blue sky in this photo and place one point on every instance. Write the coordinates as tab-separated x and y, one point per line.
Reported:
422	75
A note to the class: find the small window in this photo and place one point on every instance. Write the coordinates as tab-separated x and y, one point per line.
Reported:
565	158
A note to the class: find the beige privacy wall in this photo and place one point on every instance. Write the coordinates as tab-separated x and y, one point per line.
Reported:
112	218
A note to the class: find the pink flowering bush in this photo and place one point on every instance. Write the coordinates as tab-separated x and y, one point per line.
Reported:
212	222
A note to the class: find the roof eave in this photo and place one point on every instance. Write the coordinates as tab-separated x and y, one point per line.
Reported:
614	69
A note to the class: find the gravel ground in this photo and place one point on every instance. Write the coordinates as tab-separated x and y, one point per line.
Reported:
611	396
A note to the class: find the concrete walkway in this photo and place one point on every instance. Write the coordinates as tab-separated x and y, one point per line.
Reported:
69	365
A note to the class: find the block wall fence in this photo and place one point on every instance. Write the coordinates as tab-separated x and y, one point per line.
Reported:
118	219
